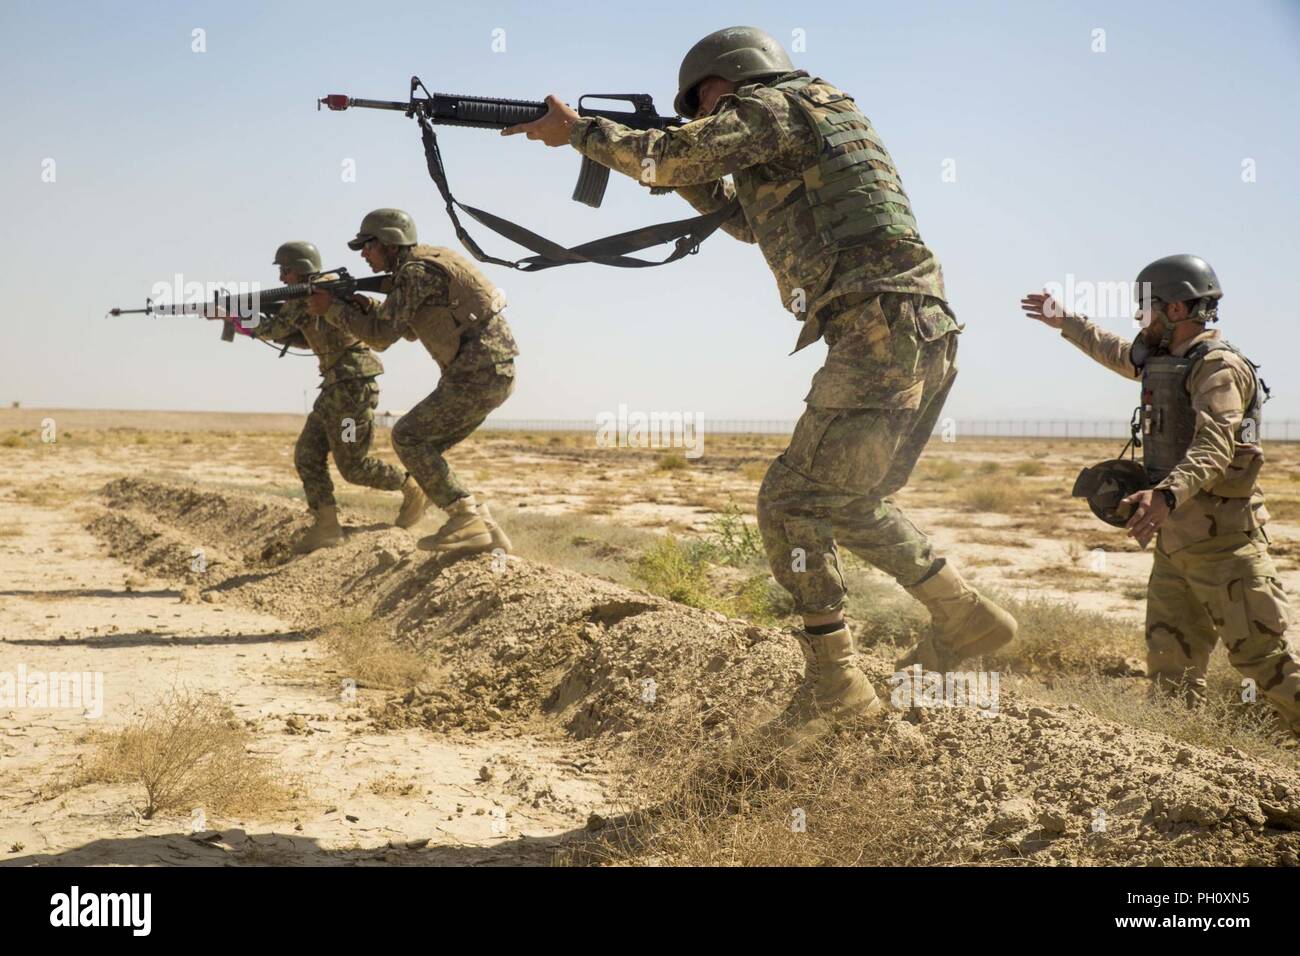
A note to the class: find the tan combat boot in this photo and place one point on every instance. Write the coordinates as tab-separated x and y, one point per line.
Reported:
500	540
324	532
465	531
414	503
833	690
963	623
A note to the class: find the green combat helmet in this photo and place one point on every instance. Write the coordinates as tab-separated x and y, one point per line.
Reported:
300	257
1107	484
390	226
736	53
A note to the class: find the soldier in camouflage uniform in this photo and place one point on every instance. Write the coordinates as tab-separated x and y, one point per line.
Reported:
819	194
1201	399
444	301
341	420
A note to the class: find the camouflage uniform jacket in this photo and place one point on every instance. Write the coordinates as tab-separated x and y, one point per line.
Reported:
441	299
1221	388
765	140
342	357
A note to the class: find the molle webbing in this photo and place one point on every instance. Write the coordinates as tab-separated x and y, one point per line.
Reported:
851	200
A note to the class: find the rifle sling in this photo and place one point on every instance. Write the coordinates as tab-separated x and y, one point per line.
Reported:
687	234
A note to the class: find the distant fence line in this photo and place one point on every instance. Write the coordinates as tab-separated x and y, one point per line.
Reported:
1288	430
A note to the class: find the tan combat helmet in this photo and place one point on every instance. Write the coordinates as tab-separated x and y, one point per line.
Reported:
392	227
736	53
300	257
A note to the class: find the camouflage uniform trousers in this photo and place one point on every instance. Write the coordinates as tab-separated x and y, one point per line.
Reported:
1223	587
831	484
342	423
460	403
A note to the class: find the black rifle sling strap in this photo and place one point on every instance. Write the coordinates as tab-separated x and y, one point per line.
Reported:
687	234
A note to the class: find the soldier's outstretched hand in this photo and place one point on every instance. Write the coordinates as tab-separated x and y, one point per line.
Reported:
553	128
1042	307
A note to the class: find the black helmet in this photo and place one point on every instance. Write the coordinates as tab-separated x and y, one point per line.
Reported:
1179	279
1107	484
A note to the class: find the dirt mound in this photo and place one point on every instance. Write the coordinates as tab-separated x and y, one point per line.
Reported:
512	640
517	643
1061	784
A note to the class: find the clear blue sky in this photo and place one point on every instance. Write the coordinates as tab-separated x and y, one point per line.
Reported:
1067	161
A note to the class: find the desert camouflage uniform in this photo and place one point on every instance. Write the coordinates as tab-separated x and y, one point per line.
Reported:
446	303
342	418
1213	577
879	302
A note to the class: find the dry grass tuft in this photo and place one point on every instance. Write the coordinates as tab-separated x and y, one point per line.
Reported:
188	750
999	498
1222	721
362	649
1062	638
847	802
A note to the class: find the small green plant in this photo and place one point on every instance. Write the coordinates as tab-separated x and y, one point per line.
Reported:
733	539
670	462
677	572
760	600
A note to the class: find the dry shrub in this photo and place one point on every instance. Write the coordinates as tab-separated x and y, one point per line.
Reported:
946	469
848	801
999	498
188	750
362	648
1030	469
671	462
1057	637
1222	721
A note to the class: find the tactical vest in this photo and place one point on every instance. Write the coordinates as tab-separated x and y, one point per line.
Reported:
1168	420
472	301
850	197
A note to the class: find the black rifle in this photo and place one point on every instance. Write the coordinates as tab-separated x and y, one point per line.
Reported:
234	308
445	109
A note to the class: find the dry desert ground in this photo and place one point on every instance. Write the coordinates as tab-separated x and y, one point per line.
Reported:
587	700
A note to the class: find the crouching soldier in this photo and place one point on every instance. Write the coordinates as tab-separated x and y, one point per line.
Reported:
1201	399
444	301
341	422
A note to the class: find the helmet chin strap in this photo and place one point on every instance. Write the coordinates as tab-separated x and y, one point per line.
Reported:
1167	335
